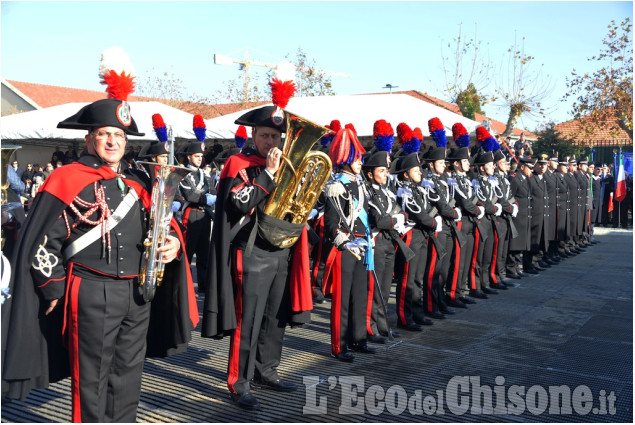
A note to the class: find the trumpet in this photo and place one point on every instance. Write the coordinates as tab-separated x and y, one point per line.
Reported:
164	189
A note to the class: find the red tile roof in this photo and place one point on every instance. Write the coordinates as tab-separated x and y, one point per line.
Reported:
585	133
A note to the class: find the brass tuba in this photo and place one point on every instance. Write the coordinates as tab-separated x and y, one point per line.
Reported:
299	182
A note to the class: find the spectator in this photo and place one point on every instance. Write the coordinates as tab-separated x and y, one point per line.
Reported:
71	156
13	179
28	174
58	155
217	148
48	170
16	167
35	187
38	170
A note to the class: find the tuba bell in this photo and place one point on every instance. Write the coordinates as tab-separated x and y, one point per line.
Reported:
299	182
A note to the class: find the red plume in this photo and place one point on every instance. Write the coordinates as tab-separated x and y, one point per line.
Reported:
281	92
404	133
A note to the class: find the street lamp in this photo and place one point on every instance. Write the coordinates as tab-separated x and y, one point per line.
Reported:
390	86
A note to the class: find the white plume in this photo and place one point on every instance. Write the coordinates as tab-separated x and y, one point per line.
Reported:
115	59
285	71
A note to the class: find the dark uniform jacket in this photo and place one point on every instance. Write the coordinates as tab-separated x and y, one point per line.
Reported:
521	191
539	213
552	197
465	196
414	202
575	202
193	189
596	192
35	354
583	196
563	218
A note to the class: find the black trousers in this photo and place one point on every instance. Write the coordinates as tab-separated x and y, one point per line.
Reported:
485	254
262	303
437	270
349	304
384	251
502	247
460	272
197	241
106	335
410	279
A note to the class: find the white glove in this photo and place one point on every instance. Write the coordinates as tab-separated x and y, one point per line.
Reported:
210	199
514	210
399	220
312	214
439	223
481	212
176	205
400	228
499	209
458	214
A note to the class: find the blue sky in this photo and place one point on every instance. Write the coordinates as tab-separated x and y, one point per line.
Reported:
60	43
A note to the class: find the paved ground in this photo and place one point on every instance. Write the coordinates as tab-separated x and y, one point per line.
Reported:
569	329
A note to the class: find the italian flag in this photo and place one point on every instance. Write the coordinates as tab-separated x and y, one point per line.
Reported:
620	187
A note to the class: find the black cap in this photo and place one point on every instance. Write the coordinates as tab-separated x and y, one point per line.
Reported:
265	117
457	154
153	149
498	155
377	159
583	161
222	157
405	163
103	113
572	160
192	148
483	158
544	159
524	160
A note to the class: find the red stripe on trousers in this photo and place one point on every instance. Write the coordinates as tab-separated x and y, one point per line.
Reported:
369	304
404	283
433	263
492	270
234	345
457	264
73	348
336	304
477	237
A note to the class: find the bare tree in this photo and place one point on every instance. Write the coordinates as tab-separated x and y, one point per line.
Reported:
310	80
467	72
522	87
605	97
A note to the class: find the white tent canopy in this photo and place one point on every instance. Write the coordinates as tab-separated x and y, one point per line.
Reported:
42	124
360	110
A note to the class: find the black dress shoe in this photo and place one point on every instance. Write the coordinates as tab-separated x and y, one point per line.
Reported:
467	300
513	275
278	384
448	311
363	348
246	400
457	303
544	264
478	294
498	286
423	321
490	291
413	327
436	315
509	284
376	339
346	356
395	334
532	271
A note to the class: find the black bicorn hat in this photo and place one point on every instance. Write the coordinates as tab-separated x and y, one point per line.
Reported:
484	157
457	154
222	157
498	155
192	148
153	149
267	116
434	154
405	163
377	159
103	113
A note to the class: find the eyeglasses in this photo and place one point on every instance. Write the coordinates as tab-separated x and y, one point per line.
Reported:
104	135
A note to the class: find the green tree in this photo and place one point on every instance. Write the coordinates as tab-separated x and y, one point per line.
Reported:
605	96
550	141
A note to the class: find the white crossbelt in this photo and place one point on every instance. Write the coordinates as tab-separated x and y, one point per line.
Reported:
95	233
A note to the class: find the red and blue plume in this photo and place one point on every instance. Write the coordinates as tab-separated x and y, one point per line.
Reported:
350	127
241	136
117	73
160	129
437	132
383	135
335	126
199	128
345	148
460	135
485	140
407	139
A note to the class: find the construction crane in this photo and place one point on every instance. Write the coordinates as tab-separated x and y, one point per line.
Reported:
245	63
